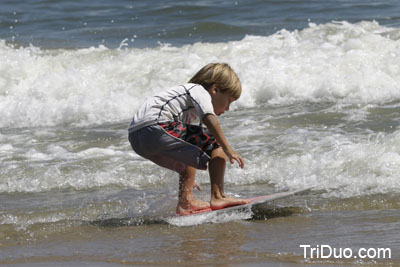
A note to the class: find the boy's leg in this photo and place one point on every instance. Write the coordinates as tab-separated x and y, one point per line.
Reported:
216	168
187	203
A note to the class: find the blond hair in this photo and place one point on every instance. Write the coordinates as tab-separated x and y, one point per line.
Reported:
221	74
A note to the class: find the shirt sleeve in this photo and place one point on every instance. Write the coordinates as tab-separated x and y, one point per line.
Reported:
201	101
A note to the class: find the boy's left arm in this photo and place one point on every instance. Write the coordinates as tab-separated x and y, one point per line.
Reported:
214	127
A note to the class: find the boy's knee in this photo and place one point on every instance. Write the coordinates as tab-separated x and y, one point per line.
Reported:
218	153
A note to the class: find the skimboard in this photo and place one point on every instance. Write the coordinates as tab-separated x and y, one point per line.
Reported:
196	217
253	201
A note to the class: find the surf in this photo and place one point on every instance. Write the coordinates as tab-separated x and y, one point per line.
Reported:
340	62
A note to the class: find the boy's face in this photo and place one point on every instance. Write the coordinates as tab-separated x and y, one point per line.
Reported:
220	101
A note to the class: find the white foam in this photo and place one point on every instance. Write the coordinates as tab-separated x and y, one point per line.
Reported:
6	147
54	167
341	62
211	217
35	155
332	61
337	61
345	166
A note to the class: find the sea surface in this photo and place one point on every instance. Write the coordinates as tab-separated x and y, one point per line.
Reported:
320	108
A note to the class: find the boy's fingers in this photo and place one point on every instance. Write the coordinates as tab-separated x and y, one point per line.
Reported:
238	159
196	186
241	162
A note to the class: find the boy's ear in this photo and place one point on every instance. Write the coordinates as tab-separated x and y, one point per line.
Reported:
214	88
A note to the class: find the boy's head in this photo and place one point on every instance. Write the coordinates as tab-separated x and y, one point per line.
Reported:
220	74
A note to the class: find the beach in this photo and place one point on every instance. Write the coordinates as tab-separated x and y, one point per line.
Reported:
320	109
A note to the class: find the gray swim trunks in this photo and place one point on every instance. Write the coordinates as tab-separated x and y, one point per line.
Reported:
174	145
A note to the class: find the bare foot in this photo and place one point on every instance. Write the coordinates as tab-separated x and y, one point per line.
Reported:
220	203
192	206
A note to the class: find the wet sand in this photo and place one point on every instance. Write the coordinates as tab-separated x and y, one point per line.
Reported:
272	237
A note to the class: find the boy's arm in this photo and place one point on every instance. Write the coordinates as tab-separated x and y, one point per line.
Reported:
214	127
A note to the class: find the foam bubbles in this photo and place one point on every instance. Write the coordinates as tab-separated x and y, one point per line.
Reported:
353	62
319	108
344	166
210	217
339	61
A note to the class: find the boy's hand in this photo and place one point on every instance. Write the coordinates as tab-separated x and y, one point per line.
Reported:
197	186
233	156
214	127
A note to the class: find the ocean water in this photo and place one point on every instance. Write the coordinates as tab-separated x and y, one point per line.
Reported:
320	108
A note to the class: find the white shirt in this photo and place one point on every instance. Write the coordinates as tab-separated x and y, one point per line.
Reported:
184	103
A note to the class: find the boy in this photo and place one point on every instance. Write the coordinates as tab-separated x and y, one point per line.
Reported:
161	131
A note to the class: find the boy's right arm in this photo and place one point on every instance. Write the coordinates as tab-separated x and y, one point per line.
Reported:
214	127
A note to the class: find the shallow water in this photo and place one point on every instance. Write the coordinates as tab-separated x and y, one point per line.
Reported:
273	237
